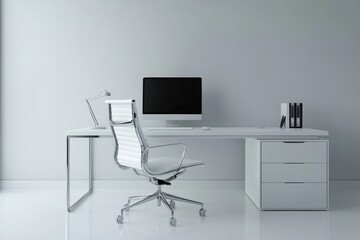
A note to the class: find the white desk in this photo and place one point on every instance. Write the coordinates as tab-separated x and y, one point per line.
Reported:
221	132
216	132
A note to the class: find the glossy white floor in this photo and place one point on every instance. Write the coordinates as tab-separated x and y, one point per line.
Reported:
41	214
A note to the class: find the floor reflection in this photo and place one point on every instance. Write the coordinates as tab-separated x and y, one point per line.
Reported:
230	215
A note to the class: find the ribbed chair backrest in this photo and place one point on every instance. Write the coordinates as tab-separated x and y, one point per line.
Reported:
129	138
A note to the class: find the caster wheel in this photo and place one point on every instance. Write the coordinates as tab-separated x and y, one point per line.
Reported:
172	204
120	219
173	221
202	212
125	205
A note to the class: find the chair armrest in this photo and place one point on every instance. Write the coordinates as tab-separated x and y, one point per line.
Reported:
114	123
170	145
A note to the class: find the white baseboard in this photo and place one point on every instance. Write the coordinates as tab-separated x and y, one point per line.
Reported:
118	184
32	184
130	184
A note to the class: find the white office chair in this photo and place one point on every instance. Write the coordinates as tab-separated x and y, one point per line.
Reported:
132	150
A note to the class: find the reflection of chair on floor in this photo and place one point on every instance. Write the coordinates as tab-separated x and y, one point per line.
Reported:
132	150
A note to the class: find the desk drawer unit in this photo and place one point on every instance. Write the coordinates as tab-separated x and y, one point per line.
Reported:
298	172
294	151
294	196
293	174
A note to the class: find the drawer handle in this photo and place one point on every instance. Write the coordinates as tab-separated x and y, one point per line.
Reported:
293	142
294	163
294	182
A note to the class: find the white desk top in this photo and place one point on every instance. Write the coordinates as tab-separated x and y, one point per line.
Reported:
221	132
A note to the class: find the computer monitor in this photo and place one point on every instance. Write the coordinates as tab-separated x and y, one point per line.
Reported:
172	98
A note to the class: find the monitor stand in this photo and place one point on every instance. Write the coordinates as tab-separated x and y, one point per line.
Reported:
169	124
163	123
173	123
182	123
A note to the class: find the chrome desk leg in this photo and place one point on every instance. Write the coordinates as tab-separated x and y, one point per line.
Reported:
90	164
68	174
70	208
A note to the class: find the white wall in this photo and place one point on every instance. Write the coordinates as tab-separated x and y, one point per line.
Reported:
252	55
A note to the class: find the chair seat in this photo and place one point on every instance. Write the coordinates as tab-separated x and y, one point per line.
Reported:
168	164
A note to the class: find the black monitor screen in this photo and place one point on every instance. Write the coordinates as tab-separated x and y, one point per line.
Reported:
172	95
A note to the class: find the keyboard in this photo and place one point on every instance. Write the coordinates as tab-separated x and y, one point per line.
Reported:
170	128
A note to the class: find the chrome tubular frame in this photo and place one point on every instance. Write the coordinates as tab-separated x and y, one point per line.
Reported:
90	184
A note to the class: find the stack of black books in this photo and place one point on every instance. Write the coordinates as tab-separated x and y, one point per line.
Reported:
291	115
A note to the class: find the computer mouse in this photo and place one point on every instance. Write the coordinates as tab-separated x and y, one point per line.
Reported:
205	128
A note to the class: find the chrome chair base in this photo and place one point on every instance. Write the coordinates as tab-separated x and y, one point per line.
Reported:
161	197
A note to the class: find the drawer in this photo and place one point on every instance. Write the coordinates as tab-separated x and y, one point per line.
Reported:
294	196
291	151
294	172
